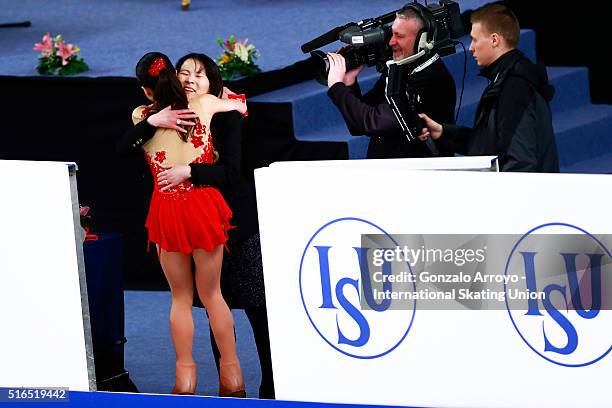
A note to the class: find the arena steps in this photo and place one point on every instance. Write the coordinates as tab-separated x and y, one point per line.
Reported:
601	165
584	135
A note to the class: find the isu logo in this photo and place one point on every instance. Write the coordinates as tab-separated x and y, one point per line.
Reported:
335	283
570	322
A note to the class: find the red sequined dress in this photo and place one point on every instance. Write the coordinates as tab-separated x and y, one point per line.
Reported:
185	217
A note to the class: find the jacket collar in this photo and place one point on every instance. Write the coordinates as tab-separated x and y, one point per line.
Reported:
500	65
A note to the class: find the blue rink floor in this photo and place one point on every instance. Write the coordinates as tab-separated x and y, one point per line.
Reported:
149	354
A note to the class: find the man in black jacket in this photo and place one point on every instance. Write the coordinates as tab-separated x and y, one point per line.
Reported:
371	114
513	119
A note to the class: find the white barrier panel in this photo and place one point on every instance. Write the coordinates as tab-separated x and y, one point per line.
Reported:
477	163
43	293
445	358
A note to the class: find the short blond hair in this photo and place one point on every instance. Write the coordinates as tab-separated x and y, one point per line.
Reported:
496	18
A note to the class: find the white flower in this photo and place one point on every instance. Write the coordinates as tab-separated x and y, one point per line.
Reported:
241	52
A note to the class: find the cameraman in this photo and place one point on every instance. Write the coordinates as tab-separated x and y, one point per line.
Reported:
513	120
371	114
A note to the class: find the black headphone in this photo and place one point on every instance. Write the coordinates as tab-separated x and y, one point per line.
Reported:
424	39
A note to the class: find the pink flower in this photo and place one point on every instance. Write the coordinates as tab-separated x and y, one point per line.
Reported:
65	51
83	210
45	47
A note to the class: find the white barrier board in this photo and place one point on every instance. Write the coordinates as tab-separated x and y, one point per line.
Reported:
478	163
44	332
443	358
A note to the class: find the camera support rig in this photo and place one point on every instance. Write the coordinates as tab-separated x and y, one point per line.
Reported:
405	102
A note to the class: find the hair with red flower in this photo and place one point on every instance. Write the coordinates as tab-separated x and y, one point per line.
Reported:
157	66
156	72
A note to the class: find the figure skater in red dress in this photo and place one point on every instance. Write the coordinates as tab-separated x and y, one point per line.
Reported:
189	221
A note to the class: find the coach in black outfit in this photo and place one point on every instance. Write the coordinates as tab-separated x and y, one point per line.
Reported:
513	120
371	114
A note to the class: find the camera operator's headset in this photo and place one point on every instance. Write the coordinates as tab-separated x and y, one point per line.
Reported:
425	38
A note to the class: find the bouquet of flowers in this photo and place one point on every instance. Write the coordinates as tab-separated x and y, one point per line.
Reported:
238	58
58	57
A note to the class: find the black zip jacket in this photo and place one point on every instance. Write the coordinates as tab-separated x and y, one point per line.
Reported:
513	120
